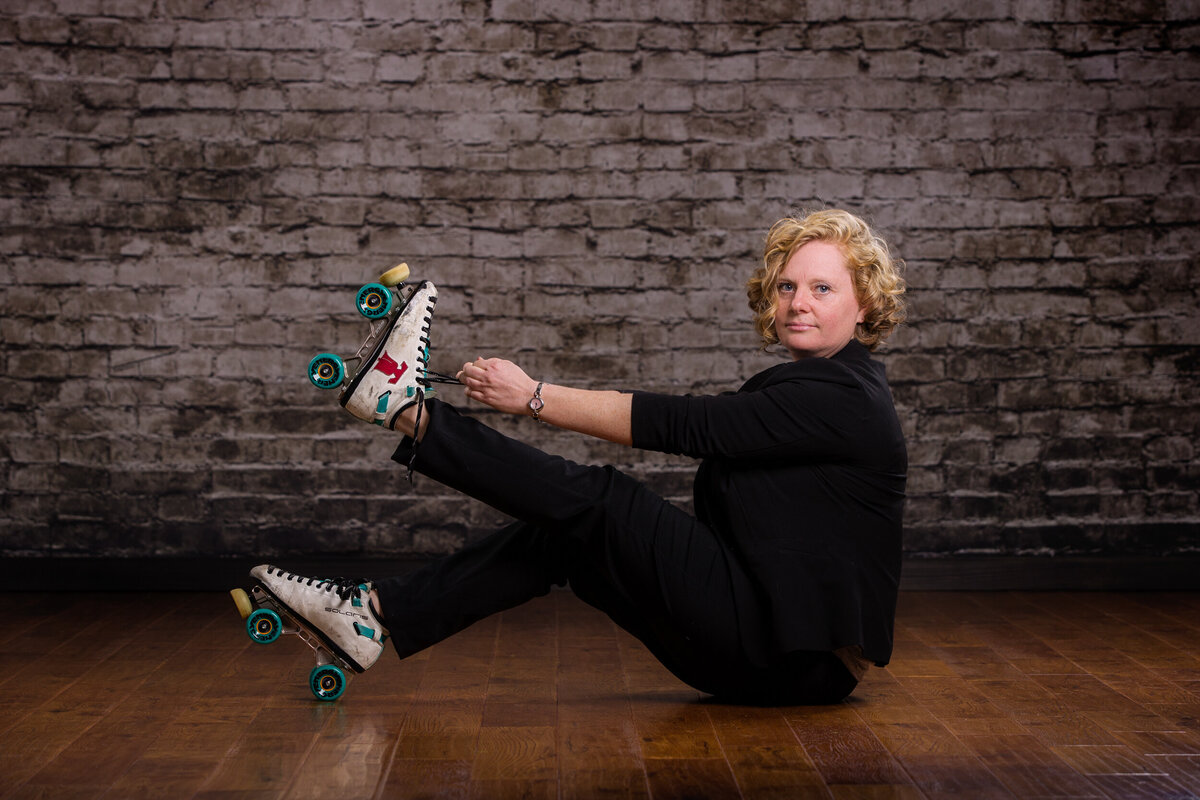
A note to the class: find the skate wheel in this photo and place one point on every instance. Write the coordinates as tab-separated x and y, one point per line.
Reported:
242	601
374	301
327	682
395	276
326	371
264	626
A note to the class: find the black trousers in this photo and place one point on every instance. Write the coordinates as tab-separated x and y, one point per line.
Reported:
654	569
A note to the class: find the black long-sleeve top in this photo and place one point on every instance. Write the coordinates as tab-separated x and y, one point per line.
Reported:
803	472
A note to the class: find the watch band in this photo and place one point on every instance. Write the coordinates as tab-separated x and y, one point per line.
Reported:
536	404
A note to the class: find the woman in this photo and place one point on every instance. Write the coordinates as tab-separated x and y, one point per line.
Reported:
780	590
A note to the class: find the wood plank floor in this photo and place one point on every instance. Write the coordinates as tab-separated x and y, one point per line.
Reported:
990	695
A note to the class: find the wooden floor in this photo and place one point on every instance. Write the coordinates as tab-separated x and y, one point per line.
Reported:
990	695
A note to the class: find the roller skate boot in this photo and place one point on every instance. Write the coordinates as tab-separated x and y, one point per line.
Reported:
333	617
393	373
393	362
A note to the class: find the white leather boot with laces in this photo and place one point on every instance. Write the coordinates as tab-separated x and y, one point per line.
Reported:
337	610
395	373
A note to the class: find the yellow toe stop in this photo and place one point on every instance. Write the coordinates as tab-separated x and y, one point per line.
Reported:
396	275
242	601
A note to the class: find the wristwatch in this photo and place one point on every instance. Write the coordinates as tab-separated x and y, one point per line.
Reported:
535	403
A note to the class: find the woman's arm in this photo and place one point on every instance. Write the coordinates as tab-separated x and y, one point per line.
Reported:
505	387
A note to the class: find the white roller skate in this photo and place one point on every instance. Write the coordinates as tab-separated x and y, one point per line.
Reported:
393	362
333	617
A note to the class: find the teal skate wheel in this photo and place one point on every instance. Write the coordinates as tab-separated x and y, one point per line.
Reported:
374	301
327	682
326	371
264	626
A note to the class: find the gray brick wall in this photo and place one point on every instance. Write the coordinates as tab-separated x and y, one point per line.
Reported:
192	191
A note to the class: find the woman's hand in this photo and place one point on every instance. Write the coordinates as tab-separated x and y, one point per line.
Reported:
498	383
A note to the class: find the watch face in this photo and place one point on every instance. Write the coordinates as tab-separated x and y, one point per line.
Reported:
536	404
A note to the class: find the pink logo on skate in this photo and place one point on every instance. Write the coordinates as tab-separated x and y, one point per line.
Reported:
388	366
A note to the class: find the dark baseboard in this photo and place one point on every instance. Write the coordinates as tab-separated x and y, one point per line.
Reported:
1047	574
976	573
169	574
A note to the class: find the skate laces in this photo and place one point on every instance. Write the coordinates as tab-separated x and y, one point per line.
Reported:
425	379
427	376
344	588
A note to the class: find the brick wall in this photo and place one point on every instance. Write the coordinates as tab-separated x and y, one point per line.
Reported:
193	190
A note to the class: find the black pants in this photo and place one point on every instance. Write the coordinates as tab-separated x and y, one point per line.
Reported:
655	570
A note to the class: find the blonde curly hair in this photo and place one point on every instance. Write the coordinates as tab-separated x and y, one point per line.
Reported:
878	286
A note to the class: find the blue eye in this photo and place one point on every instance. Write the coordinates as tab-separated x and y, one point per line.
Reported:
823	288
785	287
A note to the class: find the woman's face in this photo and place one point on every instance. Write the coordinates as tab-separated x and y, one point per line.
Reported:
817	309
